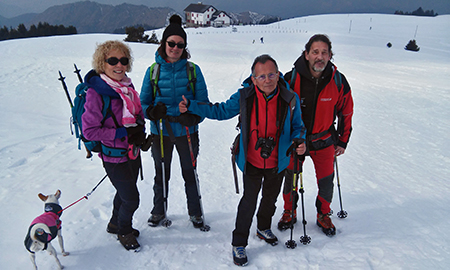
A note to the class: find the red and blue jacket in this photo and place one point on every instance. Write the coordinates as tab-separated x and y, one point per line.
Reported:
286	124
321	103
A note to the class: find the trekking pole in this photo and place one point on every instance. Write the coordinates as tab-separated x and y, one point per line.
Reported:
166	222
233	162
233	166
305	239
342	213
205	227
77	71
291	243
61	78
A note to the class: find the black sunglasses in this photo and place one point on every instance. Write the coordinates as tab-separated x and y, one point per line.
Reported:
114	61
173	44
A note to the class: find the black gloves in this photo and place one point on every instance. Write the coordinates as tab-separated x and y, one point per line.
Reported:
157	112
136	135
188	120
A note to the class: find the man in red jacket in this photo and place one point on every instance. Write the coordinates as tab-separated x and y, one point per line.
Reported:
325	94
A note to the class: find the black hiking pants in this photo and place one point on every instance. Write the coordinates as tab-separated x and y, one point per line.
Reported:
187	171
271	186
124	176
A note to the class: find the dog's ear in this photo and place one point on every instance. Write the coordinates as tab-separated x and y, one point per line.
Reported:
58	194
42	197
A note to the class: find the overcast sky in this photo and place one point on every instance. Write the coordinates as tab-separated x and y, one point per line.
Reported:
282	8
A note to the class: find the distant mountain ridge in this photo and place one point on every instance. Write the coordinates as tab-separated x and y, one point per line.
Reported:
250	17
92	17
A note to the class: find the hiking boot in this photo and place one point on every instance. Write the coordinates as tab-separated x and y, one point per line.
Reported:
129	241
114	229
239	256
324	222
155	219
196	221
285	220
267	236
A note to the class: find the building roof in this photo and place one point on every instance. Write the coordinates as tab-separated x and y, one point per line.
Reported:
199	8
220	11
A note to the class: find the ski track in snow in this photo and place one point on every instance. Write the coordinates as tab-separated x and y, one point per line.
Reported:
393	176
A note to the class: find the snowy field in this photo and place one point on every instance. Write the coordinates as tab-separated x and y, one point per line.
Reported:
394	175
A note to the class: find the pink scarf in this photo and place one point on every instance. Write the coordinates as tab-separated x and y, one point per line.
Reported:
130	98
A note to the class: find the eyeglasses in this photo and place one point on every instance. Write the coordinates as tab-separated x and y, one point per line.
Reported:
271	76
114	61
173	44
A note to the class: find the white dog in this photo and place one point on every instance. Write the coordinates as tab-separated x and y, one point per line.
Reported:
45	228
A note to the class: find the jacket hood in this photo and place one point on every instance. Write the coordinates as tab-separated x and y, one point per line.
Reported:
93	80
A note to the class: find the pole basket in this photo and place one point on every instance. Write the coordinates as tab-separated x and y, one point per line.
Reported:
305	239
291	244
342	214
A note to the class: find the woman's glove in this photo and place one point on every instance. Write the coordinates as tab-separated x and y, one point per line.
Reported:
188	119
157	112
136	135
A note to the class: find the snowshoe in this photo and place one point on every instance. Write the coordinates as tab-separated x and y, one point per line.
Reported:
285	221
239	256
114	229
197	221
324	222
129	242
155	219
267	236
199	224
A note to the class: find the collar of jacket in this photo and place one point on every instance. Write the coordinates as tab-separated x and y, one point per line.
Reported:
180	64
93	80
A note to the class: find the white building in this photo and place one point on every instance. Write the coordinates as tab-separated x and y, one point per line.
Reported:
199	15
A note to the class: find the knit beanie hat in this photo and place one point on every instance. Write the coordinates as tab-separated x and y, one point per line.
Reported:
174	28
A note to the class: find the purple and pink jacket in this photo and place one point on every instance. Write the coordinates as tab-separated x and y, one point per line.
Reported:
93	129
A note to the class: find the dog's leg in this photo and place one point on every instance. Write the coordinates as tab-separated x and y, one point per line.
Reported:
51	250
61	244
33	260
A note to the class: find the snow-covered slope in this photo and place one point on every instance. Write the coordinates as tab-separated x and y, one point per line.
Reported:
394	174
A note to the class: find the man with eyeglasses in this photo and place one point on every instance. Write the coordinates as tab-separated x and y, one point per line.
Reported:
325	95
270	123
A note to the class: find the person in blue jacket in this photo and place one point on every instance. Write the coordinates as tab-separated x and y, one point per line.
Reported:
270	123
162	105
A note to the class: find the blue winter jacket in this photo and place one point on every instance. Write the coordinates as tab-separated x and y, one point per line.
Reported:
173	84
241	103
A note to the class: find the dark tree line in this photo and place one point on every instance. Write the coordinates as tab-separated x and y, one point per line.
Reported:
418	12
42	29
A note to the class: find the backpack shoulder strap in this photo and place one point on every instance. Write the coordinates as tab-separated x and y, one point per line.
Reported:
293	78
154	72
107	111
192	76
337	78
292	104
